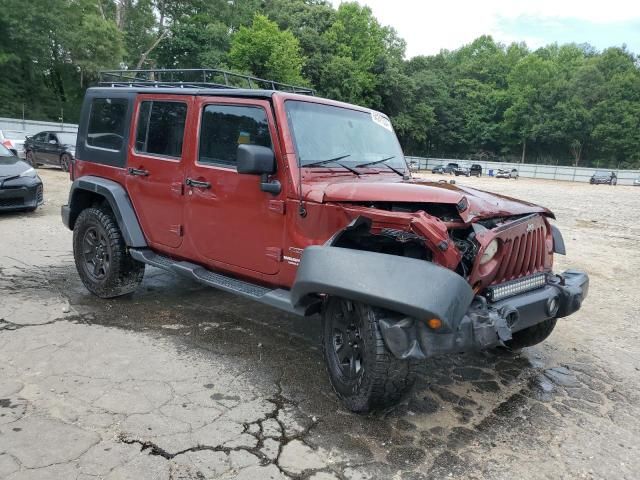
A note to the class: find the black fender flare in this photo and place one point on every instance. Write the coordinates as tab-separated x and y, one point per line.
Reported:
416	288
558	241
117	198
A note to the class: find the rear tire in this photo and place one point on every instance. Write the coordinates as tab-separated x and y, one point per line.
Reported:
102	260
363	372
533	335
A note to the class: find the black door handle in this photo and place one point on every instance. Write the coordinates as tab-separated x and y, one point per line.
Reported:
138	171
197	183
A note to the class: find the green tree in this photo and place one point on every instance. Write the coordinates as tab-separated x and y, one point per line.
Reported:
267	52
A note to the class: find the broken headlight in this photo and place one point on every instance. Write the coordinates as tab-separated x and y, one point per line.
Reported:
489	252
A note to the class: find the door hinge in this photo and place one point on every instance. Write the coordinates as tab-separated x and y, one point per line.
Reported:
274	253
176	229
277	206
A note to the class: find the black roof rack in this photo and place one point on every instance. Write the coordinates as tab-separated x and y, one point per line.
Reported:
192	78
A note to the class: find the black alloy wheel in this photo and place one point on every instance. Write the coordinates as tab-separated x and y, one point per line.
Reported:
96	251
347	342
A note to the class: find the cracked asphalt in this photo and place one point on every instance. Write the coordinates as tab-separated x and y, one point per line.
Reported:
180	381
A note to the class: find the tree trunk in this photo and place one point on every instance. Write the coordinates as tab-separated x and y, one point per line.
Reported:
524	149
144	56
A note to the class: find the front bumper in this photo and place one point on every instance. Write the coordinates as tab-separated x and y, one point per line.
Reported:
488	324
21	194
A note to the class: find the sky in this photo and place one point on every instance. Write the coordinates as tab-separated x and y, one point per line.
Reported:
429	26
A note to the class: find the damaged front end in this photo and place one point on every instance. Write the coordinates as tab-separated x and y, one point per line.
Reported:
506	262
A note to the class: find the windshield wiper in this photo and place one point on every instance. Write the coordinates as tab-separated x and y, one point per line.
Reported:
384	160
376	162
332	160
323	162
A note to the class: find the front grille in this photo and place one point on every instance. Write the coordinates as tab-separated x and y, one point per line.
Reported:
11	202
523	250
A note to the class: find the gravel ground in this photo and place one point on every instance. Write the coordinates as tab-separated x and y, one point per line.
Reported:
186	382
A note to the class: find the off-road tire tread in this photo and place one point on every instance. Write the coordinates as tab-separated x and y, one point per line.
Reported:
390	379
126	273
533	335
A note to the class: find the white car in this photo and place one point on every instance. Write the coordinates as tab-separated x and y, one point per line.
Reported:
636	182
14	141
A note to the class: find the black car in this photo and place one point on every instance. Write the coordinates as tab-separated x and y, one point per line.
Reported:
448	168
606	178
20	185
51	148
475	170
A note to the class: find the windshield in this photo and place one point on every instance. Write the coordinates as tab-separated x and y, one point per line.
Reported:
67	138
351	137
5	152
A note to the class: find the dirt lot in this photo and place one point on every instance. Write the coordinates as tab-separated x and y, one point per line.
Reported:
182	381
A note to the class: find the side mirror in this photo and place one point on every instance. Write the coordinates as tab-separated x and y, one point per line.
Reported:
255	160
258	160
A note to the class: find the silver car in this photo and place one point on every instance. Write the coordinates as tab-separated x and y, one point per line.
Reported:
636	182
14	141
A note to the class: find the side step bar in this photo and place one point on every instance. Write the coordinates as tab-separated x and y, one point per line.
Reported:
278	298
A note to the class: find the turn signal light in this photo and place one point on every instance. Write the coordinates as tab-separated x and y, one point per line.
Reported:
434	323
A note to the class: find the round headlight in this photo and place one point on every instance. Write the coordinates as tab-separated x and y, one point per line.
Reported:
489	252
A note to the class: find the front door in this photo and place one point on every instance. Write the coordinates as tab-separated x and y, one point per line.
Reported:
155	168
230	221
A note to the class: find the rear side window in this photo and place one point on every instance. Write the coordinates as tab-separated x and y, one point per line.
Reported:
161	128
224	127
107	123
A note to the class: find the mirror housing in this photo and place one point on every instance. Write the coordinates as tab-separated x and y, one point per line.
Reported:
255	160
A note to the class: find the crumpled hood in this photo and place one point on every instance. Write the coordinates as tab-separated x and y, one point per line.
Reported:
481	204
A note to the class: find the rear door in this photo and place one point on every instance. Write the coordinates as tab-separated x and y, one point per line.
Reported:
155	167
230	221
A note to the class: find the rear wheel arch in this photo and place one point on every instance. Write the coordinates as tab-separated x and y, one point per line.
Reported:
87	192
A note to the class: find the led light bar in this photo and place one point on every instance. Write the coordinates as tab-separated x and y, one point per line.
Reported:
516	287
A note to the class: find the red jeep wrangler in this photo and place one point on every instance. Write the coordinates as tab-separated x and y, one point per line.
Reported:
307	205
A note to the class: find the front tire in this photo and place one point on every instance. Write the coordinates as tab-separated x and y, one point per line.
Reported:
65	162
533	335
30	159
102	260
363	372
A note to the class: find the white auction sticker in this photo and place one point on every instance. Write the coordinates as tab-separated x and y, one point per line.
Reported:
381	120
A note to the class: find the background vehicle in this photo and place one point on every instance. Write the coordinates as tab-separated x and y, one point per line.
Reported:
476	170
602	177
636	182
448	168
20	186
51	148
14	141
317	215
506	173
462	170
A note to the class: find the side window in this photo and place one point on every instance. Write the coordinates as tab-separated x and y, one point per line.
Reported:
52	136
107	123
160	128
224	127
41	137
